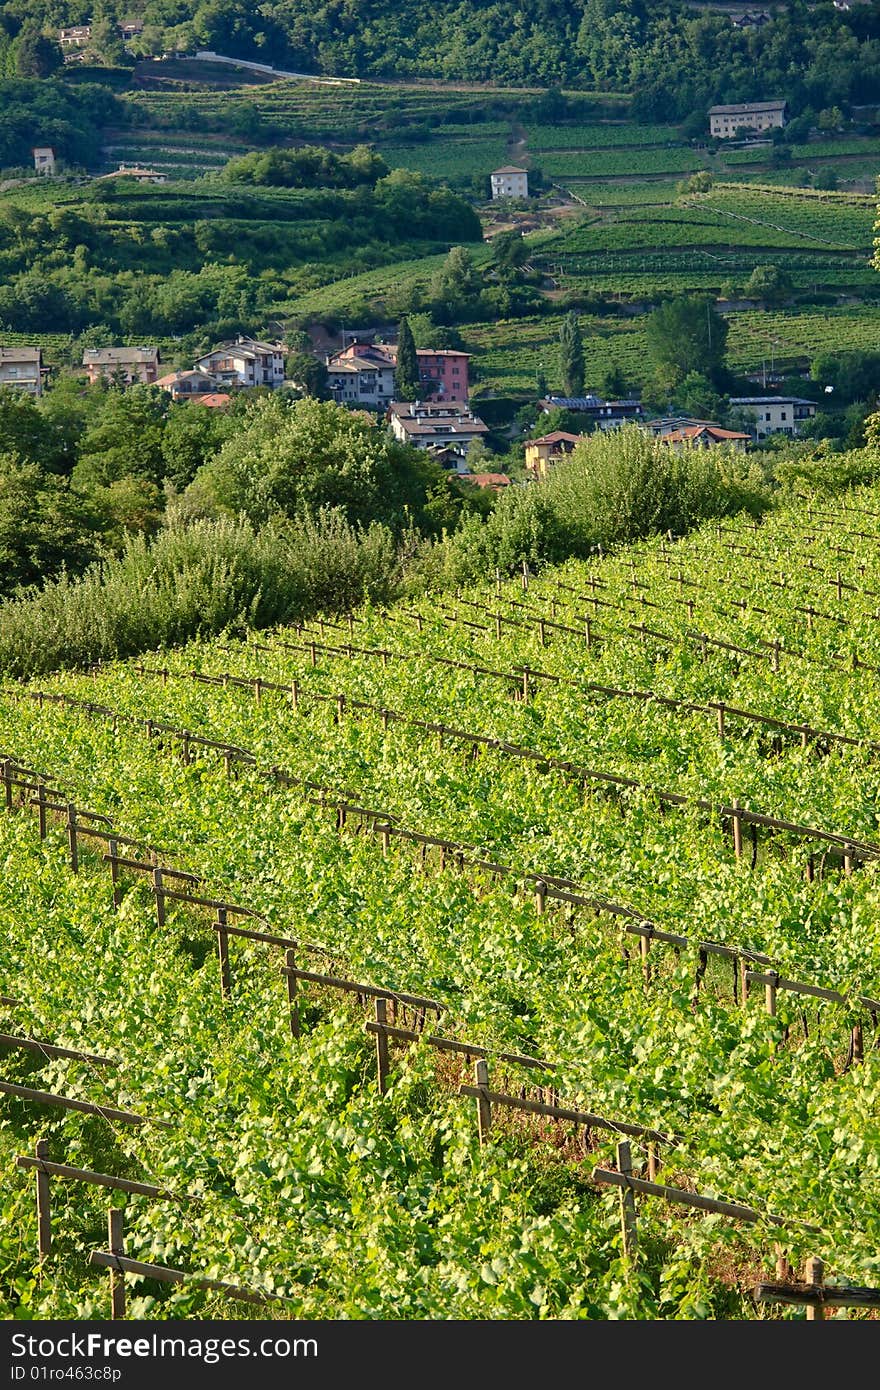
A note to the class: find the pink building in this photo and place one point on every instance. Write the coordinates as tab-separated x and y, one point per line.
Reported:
444	374
364	372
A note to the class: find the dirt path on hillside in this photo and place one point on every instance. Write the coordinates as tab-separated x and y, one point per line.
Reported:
517	144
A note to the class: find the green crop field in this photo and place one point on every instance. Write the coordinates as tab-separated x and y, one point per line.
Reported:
588	164
509	355
461	158
373	286
576	884
850	329
598	135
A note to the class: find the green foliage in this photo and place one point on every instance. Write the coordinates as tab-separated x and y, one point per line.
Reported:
852	376
614	488
307	372
359	1205
686	335
696	396
201	578
571	356
40	112
33	54
622	485
406	372
43	525
307	166
769	283
290	460
455	287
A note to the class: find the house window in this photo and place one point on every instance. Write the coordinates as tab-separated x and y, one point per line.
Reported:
767	415
784	416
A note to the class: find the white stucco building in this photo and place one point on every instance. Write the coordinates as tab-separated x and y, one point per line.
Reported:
510	182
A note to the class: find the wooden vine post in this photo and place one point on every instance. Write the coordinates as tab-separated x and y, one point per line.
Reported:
71	837
116	1246
814	1271
158	889
41	809
628	1226
484	1106
223	954
113	856
382	1064
540	897
293	1007
44	1209
813	1293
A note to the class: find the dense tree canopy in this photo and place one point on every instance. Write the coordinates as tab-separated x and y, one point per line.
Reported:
686	335
675	58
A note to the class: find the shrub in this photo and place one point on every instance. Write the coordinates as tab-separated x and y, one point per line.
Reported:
196	580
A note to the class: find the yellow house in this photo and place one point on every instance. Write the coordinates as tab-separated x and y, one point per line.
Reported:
549	449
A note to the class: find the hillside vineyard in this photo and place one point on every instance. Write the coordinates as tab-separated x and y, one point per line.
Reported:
598	847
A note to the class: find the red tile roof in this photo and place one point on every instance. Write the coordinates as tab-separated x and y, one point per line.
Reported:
492	480
557	437
692	432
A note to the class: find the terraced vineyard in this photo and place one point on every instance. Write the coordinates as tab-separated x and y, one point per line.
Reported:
614	834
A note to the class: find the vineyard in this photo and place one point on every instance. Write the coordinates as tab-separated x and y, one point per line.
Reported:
380	966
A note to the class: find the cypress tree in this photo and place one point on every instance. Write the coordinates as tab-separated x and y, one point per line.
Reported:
571	355
406	374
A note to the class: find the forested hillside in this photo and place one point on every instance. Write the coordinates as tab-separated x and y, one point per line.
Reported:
672	56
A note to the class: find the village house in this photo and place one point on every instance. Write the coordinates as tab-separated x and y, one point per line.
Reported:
245	362
21	368
44	159
490	482
189	386
509	182
542	453
704	436
775	414
602	414
77	36
363	374
726	121
423	424
752	19
443	374
124	365
136	171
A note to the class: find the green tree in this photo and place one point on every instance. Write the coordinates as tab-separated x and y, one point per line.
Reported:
307	372
125	441
509	252
455	286
831	119
686	335
571	355
297	459
406	375
770	284
43	525
697	397
192	435
34	54
614	385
